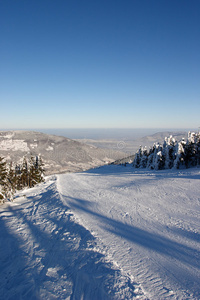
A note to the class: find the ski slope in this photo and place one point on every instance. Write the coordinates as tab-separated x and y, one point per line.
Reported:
108	233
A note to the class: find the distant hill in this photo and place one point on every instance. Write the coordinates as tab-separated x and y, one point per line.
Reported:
130	146
159	137
59	154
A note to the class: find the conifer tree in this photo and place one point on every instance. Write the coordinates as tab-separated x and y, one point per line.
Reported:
15	178
32	172
36	171
18	177
137	160
191	150
150	157
11	182
41	169
3	179
170	152
25	173
179	161
159	161
198	149
144	158
156	156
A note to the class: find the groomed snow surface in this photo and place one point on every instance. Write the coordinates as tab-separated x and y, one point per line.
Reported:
109	233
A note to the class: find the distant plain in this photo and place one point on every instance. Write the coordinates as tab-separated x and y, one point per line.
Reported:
126	140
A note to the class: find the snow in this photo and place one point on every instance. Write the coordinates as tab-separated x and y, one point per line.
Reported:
33	146
108	233
9	135
49	148
14	145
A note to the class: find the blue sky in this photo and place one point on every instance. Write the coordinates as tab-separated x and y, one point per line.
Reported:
100	64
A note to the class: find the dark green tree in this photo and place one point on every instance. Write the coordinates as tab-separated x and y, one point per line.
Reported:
3	179
36	171
11	182
25	173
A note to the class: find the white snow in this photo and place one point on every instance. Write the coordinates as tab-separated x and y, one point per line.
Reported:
8	135
49	148
108	233
14	145
33	146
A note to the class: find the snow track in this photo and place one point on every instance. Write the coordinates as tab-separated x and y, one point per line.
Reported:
110	233
45	254
148	223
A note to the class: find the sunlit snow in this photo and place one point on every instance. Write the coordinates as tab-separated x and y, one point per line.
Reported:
108	233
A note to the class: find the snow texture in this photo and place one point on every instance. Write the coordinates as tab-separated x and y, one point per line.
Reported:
108	233
13	145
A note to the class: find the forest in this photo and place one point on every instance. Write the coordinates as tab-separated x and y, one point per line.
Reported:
171	154
19	176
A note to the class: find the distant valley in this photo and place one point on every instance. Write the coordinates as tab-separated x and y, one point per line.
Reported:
130	146
59	153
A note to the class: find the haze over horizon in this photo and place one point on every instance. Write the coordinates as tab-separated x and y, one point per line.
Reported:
100	64
115	134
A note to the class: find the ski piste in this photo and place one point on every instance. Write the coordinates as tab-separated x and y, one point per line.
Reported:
109	233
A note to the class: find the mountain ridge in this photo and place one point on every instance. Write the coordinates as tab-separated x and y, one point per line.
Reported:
60	154
130	146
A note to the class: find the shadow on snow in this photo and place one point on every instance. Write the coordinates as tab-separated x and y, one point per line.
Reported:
144	238
117	170
68	249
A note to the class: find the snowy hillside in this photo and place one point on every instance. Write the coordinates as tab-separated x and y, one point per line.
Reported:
59	153
108	233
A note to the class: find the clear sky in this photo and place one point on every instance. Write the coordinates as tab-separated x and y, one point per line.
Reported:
99	63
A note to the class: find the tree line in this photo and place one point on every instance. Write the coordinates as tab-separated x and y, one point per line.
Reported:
16	177
171	154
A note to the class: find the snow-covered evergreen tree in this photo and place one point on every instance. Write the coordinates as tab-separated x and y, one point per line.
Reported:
179	161
157	157
25	172
18	177
159	162
36	170
137	160
184	154
198	148
191	150
40	168
151	157
144	158
15	178
169	152
3	179
11	182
